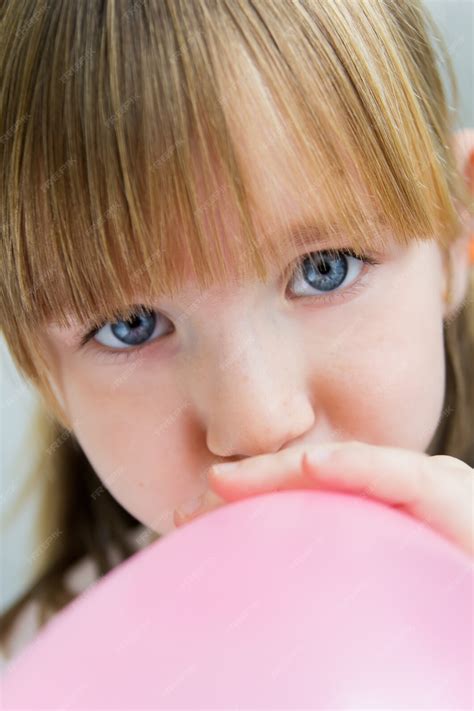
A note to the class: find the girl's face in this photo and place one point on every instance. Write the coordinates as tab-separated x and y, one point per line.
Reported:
250	369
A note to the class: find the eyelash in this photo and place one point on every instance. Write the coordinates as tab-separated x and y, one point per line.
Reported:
129	353
332	296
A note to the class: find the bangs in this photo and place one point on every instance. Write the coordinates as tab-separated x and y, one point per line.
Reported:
135	135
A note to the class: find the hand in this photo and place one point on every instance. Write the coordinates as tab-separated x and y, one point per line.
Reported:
438	490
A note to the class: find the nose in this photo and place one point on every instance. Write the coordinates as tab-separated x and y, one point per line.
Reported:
254	404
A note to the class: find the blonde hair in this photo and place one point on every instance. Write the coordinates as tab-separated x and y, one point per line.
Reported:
116	119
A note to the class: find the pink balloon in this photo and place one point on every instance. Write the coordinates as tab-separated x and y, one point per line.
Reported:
289	600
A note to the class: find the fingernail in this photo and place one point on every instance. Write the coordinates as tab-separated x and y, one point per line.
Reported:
191	506
224	469
319	455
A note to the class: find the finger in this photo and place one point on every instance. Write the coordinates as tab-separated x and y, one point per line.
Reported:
451	462
197	506
439	494
261	474
390	473
286	469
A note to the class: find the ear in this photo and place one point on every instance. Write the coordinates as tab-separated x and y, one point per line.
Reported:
461	252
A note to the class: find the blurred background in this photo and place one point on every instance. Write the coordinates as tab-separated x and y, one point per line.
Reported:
20	561
455	18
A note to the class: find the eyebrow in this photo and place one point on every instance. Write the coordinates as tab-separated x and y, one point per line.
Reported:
304	234
301	233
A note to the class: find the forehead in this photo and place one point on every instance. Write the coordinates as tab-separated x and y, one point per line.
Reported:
285	192
287	201
286	195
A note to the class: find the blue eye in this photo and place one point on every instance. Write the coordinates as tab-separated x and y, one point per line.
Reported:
130	333
326	271
316	274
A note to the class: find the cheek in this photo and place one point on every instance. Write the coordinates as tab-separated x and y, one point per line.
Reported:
381	376
133	437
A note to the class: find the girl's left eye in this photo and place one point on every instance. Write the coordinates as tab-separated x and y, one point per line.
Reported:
325	271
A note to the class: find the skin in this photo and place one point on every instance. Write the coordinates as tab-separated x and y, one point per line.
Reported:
252	375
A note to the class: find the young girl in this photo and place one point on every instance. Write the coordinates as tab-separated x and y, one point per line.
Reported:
235	233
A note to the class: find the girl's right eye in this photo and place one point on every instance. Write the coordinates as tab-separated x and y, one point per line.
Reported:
133	333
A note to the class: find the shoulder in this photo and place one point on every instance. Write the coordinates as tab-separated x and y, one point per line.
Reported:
23	631
78	578
27	623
